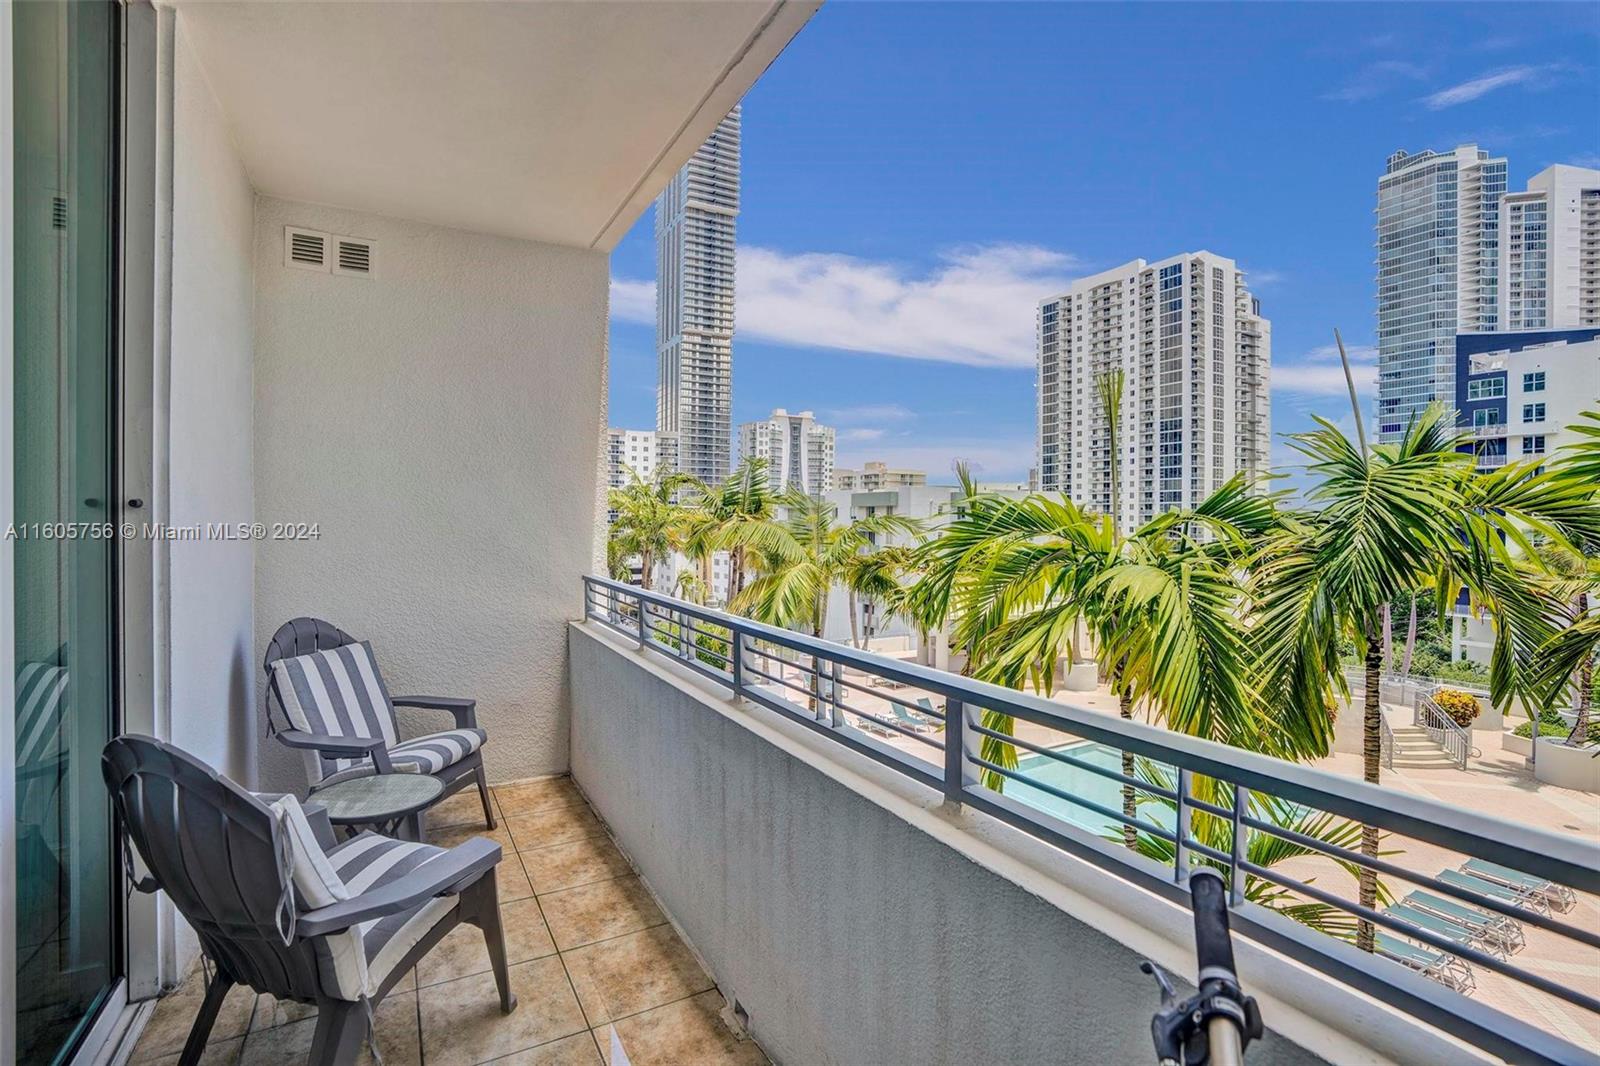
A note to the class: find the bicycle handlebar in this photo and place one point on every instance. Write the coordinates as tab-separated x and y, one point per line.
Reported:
1213	947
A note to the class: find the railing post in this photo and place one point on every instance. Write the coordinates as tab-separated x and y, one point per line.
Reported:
1180	856
736	661
960	745
1241	801
834	674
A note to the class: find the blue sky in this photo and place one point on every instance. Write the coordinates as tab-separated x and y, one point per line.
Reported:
917	176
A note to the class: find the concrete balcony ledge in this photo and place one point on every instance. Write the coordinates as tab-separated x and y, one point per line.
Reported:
853	916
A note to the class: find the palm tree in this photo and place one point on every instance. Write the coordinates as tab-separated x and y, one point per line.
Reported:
1384	521
649	519
809	553
1162	605
735	516
876	575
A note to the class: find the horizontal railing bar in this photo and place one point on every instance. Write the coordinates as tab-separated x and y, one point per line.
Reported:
890	757
1466	895
808	693
1077	801
1432	939
879	694
1110	775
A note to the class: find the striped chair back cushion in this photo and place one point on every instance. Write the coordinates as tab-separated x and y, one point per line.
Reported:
41	695
339	693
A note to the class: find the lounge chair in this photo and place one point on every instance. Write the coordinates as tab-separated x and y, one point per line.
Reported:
929	710
280	908
906	720
338	713
1560	896
1477	936
1536	901
1501	927
1448	970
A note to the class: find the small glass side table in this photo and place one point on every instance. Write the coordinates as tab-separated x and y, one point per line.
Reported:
391	804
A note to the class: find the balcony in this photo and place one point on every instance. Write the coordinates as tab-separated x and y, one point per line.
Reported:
766	784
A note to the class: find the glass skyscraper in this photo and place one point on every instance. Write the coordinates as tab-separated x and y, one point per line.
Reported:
1438	264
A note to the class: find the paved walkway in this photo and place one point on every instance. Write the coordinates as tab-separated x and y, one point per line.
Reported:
592	959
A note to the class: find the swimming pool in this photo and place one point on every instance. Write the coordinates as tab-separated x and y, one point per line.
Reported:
1083	783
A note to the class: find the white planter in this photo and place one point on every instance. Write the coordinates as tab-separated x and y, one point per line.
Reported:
1515	744
1574	768
1081	677
1347	728
1491	720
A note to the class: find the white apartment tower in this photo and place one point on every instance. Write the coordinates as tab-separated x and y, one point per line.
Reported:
1550	252
1195	355
694	303
1438	243
798	451
641	450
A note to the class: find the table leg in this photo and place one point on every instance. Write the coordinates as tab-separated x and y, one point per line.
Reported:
410	827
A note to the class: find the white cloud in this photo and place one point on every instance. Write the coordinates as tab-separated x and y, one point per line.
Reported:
1375	79
861	433
1591	161
1258	279
1483	84
1319	372
633	301
975	307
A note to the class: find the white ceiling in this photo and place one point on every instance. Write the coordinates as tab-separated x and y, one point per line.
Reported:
551	121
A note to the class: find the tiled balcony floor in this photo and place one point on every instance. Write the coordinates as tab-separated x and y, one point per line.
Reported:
590	954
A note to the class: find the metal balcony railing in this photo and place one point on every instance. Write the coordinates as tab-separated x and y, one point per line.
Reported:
948	733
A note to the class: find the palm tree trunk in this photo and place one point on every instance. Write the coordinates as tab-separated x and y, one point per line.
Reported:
735	573
1580	724
1411	639
1130	835
646	564
855	627
1371	719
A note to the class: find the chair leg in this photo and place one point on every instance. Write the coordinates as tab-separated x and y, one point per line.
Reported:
341	1026
483	794
481	906
200	1032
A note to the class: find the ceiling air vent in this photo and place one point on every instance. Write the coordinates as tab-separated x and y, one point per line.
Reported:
355	256
305	249
58	212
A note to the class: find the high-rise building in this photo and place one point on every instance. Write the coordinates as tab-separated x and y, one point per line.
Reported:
640	450
1195	355
1550	252
1438	242
1519	393
875	476
694	303
798	451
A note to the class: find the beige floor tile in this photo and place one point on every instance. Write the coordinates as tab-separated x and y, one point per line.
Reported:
169	1025
528	796
578	1050
464	952
553	825
450	836
634	973
272	1012
688	1031
578	863
583	915
220	1053
462	1024
464	808
399	1041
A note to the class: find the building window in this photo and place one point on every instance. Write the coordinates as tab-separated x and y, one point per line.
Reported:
1533	412
1533	445
1486	388
1533	382
1481	419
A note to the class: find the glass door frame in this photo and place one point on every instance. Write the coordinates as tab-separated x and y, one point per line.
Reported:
143	939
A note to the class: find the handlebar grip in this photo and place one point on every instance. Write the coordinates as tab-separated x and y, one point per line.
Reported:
1213	947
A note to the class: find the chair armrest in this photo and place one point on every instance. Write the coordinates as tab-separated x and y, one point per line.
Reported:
444	876
464	710
340	747
321	827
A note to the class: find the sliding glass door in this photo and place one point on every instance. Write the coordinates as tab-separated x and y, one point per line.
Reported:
65	159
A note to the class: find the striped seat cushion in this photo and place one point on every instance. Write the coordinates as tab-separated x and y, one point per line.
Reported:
338	692
434	752
357	962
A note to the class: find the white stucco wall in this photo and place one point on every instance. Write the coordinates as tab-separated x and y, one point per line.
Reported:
440	423
209	445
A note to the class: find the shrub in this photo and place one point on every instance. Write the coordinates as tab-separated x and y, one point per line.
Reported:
1553	725
1462	707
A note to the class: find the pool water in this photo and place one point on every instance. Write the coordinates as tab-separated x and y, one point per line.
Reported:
1083	783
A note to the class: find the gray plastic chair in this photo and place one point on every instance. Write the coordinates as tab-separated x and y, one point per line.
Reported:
328	754
218	852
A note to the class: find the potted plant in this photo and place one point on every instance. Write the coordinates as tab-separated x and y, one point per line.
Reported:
1462	707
